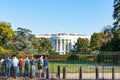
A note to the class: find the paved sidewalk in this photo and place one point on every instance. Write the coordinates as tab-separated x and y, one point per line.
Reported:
74	76
88	76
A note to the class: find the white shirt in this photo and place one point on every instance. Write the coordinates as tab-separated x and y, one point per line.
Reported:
15	62
1	60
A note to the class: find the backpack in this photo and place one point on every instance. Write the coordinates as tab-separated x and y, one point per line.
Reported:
6	63
26	62
39	62
32	62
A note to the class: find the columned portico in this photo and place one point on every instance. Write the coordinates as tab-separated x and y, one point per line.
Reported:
62	42
62	45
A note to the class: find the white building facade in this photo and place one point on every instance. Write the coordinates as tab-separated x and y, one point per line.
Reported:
63	42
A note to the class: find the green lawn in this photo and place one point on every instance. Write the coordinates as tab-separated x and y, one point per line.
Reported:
70	65
74	66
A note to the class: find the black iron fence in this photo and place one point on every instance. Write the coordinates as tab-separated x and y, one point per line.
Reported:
84	73
102	66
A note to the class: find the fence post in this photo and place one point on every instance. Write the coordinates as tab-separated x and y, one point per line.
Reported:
80	73
64	72
113	76
96	70
47	73
58	74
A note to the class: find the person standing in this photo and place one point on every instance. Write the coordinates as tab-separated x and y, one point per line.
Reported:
11	67
7	67
40	65
45	66
26	67
2	66
20	66
15	65
32	62
1	61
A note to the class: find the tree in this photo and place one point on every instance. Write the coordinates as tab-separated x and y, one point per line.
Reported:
115	42
107	29
45	46
6	33
107	46
21	38
116	15
97	40
82	45
25	41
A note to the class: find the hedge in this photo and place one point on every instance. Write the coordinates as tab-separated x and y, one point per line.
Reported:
67	56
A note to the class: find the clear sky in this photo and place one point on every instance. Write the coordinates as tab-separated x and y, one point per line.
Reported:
54	16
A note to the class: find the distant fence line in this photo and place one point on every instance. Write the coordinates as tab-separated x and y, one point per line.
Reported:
100	73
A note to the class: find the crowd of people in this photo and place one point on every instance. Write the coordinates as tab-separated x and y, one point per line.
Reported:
17	67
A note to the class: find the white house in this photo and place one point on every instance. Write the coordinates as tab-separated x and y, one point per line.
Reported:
63	42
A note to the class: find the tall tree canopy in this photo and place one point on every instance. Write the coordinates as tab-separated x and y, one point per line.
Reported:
6	32
45	46
82	45
25	41
21	38
97	40
115	42
116	15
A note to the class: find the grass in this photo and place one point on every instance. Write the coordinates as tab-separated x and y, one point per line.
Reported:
73	66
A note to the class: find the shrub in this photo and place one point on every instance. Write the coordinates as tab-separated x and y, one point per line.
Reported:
73	57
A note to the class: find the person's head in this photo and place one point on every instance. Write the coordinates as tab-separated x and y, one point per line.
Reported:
7	57
41	57
46	58
32	57
14	56
21	58
26	57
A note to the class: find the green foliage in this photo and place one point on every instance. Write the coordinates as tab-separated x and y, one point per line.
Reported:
45	46
1	49
112	58
73	57
116	15
5	54
82	45
66	56
97	40
6	33
107	46
27	42
21	39
115	42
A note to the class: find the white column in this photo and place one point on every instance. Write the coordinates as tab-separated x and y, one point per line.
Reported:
64	46
60	45
57	45
68	45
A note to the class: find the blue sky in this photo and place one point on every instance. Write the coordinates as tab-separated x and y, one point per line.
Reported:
53	16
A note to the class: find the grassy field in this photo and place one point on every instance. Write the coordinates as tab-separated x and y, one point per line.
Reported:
73	66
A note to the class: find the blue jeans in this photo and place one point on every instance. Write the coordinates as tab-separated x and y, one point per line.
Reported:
7	71
45	71
15	71
26	71
33	70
